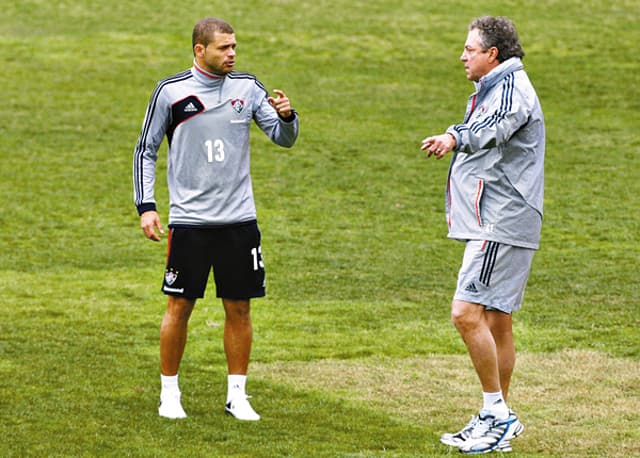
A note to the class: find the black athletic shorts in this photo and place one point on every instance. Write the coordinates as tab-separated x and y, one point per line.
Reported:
234	253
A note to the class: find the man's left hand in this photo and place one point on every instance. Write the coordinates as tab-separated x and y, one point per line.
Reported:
281	103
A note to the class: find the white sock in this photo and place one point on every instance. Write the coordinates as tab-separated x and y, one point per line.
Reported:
169	384
495	403
236	386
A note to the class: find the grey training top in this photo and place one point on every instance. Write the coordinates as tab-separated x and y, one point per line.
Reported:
496	177
206	119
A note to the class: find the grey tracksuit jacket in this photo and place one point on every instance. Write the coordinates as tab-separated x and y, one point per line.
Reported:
496	176
206	119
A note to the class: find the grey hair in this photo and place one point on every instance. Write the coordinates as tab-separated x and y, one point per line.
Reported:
500	32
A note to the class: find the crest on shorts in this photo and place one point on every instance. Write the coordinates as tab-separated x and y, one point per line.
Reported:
238	105
170	277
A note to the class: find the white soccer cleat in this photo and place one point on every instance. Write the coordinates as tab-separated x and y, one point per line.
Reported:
170	406
240	408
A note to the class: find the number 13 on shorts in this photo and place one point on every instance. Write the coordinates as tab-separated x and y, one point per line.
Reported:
256	254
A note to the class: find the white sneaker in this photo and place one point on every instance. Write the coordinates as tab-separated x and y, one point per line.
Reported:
457	439
170	406
240	408
489	433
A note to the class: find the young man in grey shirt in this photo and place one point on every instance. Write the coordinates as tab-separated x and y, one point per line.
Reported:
205	113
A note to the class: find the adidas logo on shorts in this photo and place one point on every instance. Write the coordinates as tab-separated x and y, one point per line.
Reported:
471	287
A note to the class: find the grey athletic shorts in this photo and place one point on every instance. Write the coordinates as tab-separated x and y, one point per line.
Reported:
494	275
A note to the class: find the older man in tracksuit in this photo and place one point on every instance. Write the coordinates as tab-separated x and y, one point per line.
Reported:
494	204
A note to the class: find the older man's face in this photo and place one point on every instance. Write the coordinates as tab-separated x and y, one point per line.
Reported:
477	61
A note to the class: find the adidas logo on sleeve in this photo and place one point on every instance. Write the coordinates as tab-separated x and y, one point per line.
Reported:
190	108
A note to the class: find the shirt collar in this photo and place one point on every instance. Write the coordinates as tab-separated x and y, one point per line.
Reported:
205	77
497	74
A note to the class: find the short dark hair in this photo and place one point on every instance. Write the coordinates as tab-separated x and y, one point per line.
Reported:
205	28
500	32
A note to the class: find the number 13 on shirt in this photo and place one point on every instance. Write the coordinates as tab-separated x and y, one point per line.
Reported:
215	150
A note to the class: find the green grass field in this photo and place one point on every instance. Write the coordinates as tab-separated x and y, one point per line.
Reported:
354	354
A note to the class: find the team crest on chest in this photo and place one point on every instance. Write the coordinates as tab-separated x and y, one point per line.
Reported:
238	105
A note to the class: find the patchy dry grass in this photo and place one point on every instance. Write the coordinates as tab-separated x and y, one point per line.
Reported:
352	356
565	399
